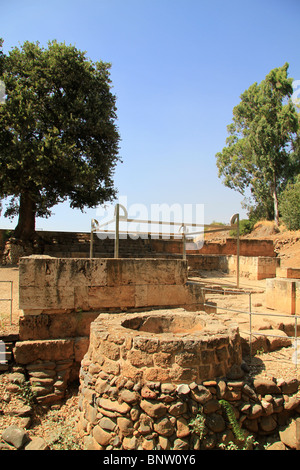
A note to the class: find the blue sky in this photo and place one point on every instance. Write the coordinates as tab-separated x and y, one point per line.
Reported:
178	69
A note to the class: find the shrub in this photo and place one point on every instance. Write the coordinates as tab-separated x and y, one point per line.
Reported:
245	225
289	205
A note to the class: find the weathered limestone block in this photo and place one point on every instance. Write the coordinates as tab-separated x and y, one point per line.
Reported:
55	285
26	352
289	273
281	294
55	326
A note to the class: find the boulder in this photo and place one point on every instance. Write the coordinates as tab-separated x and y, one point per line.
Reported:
15	436
288	434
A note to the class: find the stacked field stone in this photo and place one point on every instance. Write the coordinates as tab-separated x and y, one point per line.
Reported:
116	413
147	376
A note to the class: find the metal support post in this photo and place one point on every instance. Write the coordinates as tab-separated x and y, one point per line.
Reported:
117	220
235	219
91	241
250	326
238	251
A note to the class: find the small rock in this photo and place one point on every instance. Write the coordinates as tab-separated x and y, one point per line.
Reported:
146	392
23	411
278	445
288	435
183	389
289	387
181	444
215	422
7	397
168	388
268	423
236	372
125	426
153	409
130	443
16	378
128	396
15	436
265	386
201	394
164	427
37	443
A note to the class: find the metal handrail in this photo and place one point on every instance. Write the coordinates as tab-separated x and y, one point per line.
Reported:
250	313
95	226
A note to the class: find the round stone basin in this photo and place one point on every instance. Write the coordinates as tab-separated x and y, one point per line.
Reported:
164	345
165	323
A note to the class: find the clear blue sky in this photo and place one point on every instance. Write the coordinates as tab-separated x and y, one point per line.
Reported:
178	69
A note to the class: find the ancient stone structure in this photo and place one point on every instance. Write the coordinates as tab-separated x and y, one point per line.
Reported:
146	378
168	346
283	294
257	256
61	297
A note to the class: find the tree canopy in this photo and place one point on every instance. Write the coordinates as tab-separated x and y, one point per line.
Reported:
58	136
289	205
261	151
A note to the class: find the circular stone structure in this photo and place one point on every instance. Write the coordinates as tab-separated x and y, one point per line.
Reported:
166	346
146	375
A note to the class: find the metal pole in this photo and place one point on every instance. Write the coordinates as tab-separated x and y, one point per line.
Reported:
235	219
91	240
11	300
238	251
296	351
117	216
250	320
184	245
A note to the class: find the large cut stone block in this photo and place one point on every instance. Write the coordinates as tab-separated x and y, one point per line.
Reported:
26	352
51	284
281	294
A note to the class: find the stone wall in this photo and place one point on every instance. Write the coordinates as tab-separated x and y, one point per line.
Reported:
118	413
248	247
261	267
61	297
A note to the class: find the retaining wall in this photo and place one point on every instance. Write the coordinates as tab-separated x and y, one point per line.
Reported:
261	267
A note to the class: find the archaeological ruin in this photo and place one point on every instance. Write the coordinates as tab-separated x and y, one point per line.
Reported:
153	360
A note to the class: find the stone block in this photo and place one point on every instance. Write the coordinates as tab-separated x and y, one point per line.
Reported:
281	295
50	326
26	352
88	284
46	297
289	273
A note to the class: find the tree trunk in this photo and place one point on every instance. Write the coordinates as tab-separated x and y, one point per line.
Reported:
275	198
25	229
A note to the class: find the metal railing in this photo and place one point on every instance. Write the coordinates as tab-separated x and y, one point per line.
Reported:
10	300
183	232
249	312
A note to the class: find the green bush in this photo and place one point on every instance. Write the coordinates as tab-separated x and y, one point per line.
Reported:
289	205
245	225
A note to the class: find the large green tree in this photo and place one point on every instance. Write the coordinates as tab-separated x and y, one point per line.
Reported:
260	151
58	136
